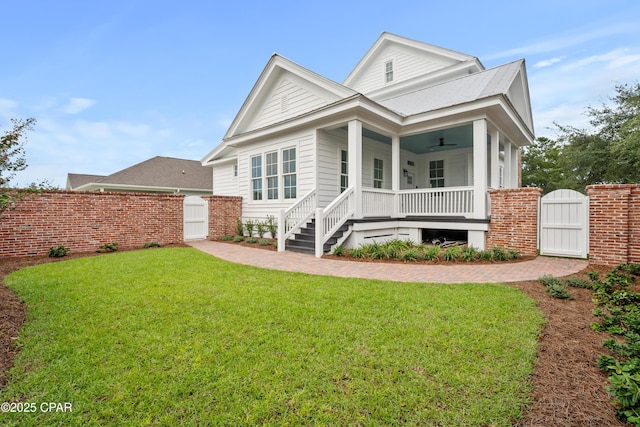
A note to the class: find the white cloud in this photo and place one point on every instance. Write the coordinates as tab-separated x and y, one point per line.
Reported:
547	62
559	42
77	105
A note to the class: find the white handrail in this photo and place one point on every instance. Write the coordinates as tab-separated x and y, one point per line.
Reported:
331	218
436	201
291	219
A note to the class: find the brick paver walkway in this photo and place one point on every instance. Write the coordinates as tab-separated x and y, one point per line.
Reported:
458	273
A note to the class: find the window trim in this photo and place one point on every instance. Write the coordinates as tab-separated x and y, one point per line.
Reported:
378	178
274	175
388	71
438	179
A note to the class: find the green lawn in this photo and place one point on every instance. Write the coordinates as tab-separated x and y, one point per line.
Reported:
177	337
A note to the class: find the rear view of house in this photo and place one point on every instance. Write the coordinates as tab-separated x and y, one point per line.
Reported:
406	147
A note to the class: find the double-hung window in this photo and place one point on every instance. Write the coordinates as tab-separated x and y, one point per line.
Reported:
279	174
289	173
256	177
271	164
436	173
344	170
378	173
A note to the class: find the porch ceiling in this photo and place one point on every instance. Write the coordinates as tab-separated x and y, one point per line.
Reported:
429	142
461	136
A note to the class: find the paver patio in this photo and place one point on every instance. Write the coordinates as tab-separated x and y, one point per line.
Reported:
456	273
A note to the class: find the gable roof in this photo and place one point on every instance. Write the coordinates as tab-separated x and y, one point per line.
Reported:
284	90
159	173
420	62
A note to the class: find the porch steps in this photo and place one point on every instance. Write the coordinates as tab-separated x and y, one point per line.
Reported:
304	241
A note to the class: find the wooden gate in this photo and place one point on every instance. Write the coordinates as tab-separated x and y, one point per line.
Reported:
564	224
196	218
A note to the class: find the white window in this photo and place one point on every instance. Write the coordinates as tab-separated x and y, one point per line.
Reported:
289	173
344	170
377	173
388	71
256	177
271	165
436	173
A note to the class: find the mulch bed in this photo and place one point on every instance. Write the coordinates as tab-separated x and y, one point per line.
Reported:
568	387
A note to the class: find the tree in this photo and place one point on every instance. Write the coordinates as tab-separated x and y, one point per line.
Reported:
12	160
541	167
611	152
12	154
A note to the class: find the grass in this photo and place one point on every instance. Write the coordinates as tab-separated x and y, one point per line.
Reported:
177	337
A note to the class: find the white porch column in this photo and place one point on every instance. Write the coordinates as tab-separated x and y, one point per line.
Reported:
355	163
396	171
507	165
480	168
514	167
495	159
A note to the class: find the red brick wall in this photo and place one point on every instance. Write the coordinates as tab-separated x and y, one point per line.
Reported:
223	213
614	223
83	221
514	219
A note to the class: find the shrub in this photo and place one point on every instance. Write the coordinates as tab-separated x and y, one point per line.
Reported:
251	239
263	242
151	245
272	226
358	252
261	228
513	254
432	253
238	238
410	254
239	227
486	255
578	282
452	253
58	251
339	250
226	238
469	253
249	226
554	287
499	254
109	247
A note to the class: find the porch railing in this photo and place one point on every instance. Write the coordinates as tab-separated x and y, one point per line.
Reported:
290	220
453	201
331	218
377	202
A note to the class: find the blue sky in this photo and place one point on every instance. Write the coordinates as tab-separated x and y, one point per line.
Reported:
113	83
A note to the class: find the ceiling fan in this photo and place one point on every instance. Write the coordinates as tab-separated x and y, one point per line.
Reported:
443	144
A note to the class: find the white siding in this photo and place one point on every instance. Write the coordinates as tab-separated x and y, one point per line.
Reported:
224	183
288	99
372	149
305	173
458	169
329	146
407	64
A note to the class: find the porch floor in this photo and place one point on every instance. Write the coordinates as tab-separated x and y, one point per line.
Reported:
483	273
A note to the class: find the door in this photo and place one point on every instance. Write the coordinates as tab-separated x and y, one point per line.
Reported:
564	224
196	218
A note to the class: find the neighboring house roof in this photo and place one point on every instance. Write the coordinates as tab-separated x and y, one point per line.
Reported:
158	174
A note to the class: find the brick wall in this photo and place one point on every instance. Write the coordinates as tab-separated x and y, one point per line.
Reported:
514	219
83	221
223	213
614	223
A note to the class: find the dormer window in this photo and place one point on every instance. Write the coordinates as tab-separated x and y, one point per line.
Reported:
388	71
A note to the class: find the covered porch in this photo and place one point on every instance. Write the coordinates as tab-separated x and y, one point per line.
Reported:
435	173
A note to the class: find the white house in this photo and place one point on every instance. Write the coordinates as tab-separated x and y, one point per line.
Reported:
407	146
